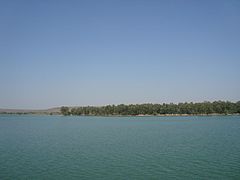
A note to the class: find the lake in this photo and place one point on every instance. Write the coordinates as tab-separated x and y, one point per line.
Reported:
58	147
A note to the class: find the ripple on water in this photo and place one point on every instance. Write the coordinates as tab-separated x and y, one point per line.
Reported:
51	147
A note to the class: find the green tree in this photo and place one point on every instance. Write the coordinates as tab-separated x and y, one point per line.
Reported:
65	111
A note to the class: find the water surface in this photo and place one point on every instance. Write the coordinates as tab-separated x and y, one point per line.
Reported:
56	147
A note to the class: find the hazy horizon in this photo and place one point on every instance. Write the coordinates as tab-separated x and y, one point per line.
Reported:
79	53
100	105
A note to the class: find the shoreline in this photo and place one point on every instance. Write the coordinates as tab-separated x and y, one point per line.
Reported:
139	115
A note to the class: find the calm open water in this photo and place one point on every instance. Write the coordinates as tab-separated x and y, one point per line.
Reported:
56	147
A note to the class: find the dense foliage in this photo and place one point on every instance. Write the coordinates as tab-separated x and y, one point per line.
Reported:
65	111
216	107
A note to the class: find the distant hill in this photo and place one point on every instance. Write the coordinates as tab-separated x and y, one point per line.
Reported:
31	111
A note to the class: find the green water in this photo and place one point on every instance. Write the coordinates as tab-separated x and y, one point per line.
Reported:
55	147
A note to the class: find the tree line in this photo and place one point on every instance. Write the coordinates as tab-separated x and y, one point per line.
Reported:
216	107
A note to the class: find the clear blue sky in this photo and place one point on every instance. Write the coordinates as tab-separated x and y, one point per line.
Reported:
55	53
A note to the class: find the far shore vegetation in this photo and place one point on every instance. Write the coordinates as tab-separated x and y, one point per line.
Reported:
203	108
147	109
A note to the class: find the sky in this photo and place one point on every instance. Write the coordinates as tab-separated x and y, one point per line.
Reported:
55	53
